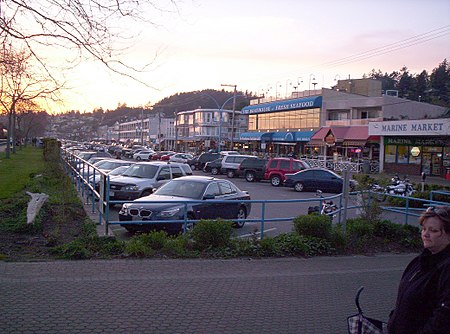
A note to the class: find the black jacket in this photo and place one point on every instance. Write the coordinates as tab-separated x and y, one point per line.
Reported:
423	301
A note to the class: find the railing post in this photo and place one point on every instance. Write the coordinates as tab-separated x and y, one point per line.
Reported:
185	218
263	208
406	211
107	206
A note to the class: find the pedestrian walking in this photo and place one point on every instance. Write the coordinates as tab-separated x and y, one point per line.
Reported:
423	301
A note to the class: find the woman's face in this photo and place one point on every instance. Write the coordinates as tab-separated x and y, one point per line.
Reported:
433	235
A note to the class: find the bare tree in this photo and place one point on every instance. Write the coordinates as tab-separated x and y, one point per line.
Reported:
20	83
88	29
30	121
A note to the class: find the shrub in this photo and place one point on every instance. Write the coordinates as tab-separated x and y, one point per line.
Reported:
387	230
178	247
292	244
269	247
136	247
74	250
155	239
318	226
359	227
212	233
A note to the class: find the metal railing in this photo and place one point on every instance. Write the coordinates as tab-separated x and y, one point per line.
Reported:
80	172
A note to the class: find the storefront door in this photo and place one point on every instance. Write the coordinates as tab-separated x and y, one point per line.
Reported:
432	163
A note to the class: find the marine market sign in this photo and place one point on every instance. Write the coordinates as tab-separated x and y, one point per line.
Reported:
424	127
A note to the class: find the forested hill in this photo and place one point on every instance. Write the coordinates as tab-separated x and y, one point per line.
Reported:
168	106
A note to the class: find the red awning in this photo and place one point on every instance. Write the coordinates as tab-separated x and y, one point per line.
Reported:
343	133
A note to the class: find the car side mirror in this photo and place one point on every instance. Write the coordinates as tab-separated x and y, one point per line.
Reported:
209	196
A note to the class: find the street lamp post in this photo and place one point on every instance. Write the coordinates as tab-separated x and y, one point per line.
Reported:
232	116
299	82
309	86
278	84
290	83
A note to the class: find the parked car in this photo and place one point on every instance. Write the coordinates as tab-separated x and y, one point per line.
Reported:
277	168
214	167
188	188
159	154
143	155
314	179
166	157
112	174
252	169
181	157
204	158
110	164
141	178
231	162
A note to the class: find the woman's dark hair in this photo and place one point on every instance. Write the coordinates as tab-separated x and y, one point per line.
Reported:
442	212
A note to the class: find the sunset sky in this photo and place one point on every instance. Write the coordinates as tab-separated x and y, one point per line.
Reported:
258	44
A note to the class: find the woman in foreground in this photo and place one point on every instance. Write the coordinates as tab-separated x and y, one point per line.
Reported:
423	300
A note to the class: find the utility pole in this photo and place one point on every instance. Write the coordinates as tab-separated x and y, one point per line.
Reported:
232	116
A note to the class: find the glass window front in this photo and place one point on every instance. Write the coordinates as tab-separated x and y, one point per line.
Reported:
389	153
295	119
402	154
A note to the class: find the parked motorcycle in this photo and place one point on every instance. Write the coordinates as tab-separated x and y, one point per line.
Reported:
327	207
398	187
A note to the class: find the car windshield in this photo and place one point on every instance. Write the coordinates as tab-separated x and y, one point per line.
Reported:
118	170
182	188
141	171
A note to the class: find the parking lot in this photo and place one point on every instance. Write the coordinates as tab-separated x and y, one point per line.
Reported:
262	191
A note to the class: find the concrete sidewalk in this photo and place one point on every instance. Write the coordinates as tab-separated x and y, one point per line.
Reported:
290	295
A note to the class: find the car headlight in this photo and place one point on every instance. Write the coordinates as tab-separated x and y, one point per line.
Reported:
124	209
169	212
131	187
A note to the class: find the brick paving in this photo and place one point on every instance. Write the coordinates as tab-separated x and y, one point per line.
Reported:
289	295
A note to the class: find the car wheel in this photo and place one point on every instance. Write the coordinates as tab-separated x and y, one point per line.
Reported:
214	171
138	158
230	174
299	187
250	177
275	180
242	214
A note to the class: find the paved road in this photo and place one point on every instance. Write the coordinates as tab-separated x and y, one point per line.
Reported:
290	295
264	191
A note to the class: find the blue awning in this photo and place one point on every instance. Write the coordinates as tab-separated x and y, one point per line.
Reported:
303	135
256	136
283	136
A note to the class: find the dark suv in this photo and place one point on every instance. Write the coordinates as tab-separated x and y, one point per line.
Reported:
252	169
204	158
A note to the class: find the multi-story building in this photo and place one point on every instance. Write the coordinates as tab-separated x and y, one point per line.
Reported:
334	124
154	131
203	129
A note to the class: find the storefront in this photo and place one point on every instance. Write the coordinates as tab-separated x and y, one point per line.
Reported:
414	146
282	127
344	142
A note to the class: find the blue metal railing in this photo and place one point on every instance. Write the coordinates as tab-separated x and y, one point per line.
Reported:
80	171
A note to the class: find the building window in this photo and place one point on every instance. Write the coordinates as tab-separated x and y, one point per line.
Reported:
390	153
402	157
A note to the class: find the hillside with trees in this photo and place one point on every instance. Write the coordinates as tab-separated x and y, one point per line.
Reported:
430	88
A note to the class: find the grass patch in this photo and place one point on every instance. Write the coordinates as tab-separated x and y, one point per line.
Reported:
17	171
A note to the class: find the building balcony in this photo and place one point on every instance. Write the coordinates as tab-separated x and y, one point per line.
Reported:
349	122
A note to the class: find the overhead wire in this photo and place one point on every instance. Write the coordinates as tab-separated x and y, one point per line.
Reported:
418	39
